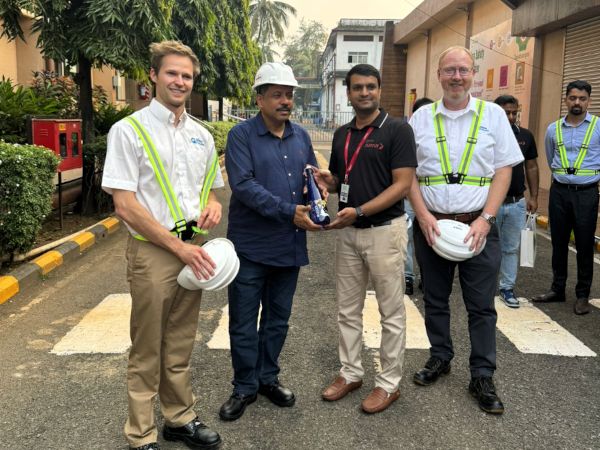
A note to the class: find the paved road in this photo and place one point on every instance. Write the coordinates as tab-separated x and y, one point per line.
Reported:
68	401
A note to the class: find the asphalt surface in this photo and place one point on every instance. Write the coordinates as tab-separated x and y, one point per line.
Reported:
79	401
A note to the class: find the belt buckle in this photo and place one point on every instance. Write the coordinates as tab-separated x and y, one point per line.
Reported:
571	171
454	178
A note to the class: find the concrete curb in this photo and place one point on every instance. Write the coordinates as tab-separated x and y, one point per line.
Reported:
33	272
543	222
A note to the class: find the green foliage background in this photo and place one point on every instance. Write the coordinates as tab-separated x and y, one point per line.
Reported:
26	186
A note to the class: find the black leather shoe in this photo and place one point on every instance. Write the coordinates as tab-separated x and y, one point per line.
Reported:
483	389
193	434
409	289
150	446
233	408
278	394
550	297
582	306
434	367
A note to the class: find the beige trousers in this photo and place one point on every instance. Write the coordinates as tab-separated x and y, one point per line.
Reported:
379	253
164	321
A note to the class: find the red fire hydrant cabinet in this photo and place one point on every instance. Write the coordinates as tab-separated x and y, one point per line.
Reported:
63	137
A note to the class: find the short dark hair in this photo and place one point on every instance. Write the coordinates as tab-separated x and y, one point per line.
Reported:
366	70
421	102
579	84
506	99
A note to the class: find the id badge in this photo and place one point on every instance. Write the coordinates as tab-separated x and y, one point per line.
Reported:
344	193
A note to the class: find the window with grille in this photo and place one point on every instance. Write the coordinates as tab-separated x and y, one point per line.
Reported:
358	57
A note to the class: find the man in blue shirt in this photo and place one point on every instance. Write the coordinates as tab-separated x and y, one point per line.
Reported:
573	152
266	156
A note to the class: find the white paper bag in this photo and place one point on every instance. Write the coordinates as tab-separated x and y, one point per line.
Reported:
528	242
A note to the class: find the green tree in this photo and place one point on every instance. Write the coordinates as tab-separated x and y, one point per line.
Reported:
304	50
269	19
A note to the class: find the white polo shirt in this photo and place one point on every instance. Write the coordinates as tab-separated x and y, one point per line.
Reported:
186	151
496	147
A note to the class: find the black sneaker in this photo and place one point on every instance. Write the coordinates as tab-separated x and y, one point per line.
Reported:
194	434
483	389
409	289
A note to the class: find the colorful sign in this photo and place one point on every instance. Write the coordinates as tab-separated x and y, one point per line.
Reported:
503	65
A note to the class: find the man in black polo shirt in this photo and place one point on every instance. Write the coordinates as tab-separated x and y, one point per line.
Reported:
511	215
371	168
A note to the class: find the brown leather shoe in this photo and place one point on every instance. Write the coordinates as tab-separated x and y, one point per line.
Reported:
378	400
582	306
339	389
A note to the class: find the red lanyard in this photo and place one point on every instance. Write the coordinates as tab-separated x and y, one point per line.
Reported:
356	152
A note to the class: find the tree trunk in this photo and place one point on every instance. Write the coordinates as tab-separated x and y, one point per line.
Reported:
221	108
86	108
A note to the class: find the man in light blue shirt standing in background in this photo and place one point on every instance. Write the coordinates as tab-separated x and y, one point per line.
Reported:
573	152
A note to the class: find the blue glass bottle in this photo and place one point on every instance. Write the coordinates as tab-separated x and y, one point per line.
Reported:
318	213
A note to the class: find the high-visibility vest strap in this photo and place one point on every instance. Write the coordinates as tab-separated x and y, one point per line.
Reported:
461	177
575	169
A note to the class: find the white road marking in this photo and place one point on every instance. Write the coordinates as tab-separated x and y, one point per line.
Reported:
416	336
105	329
220	338
595	302
532	331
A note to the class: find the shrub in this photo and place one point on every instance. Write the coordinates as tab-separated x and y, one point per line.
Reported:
18	102
26	187
219	132
94	155
62	89
107	114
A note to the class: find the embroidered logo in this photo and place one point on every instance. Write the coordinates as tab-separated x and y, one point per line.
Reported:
197	141
374	145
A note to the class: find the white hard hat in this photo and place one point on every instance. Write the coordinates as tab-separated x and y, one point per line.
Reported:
222	252
450	244
275	73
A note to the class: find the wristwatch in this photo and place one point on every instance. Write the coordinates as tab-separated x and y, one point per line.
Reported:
359	212
488	218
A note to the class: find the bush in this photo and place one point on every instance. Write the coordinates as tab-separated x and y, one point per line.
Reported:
107	114
219	132
94	155
18	102
26	187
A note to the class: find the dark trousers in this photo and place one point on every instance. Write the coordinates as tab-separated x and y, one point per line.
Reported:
478	278
255	354
573	211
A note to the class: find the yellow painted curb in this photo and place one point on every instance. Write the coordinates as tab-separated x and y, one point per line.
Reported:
542	221
85	240
9	286
321	160
49	261
598	246
111	224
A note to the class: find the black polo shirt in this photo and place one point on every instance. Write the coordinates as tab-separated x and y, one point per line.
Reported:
529	149
390	146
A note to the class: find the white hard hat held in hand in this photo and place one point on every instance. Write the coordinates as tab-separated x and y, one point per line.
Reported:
275	73
450	243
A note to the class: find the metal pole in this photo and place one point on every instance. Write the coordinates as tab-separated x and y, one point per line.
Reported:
60	210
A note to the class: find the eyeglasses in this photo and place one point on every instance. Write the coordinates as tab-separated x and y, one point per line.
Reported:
449	71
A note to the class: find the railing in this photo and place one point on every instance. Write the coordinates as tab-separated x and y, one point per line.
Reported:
319	124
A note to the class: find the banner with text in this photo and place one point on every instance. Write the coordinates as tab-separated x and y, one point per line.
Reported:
503	65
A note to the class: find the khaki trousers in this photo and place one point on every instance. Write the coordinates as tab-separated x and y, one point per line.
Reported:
380	253
164	321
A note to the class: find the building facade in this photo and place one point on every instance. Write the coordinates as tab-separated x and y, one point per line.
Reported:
527	48
353	41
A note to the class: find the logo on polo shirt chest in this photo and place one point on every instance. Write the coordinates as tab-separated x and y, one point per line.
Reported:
374	145
197	141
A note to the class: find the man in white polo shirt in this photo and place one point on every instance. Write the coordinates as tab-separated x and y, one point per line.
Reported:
160	168
465	151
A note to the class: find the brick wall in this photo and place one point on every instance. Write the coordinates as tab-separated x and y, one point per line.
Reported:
393	74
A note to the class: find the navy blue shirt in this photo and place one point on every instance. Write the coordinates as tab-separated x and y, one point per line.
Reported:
266	178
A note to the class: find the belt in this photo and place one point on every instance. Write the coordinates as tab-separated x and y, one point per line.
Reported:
576	187
461	217
373	225
512	198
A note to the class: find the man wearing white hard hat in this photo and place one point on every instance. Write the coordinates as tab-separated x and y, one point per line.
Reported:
266	157
160	168
466	150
